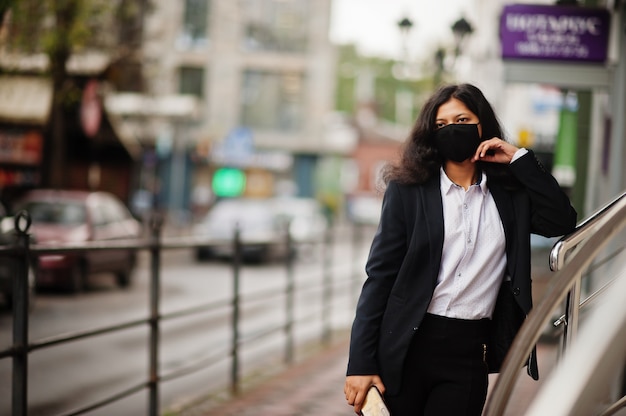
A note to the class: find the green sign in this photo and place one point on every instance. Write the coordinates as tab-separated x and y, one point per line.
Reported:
228	182
564	169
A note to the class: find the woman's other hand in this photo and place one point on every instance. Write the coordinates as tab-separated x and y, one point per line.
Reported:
495	150
356	388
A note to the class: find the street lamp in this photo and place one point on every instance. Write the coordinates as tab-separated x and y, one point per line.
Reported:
405	26
461	28
440	56
404	95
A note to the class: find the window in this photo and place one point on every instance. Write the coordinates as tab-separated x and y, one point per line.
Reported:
191	81
273	101
275	25
64	213
194	32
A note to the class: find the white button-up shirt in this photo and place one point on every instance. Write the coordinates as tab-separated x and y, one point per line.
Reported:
473	260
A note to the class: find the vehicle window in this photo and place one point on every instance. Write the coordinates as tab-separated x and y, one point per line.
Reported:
112	211
108	214
118	210
98	215
64	213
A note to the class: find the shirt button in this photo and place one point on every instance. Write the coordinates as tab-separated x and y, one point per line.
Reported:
516	291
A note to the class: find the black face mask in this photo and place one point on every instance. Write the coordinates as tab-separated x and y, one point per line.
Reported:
457	142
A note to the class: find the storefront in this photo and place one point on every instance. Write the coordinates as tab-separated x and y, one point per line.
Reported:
24	111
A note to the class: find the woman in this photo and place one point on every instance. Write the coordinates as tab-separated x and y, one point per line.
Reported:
448	274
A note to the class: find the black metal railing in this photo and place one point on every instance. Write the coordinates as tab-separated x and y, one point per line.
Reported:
334	280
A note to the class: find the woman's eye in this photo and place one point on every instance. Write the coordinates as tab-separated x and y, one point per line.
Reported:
462	120
440	125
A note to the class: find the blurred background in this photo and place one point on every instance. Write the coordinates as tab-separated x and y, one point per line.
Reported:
273	115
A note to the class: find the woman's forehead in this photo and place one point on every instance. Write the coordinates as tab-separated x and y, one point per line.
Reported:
452	108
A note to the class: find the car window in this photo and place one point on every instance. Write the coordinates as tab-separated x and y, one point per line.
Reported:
117	210
98	215
109	209
237	209
63	212
248	213
110	214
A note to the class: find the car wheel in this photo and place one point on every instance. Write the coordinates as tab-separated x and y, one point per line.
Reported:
124	277
78	277
31	292
8	301
204	253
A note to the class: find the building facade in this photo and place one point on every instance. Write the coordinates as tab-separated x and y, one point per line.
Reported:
263	72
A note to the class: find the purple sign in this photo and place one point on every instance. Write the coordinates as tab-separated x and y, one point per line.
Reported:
554	33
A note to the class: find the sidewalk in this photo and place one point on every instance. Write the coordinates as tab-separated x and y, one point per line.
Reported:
315	387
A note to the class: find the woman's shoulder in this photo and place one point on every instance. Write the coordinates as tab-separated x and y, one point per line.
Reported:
402	186
415	180
410	188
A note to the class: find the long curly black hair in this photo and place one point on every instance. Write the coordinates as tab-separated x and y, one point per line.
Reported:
419	159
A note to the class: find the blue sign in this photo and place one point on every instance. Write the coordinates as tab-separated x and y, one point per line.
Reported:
239	142
237	148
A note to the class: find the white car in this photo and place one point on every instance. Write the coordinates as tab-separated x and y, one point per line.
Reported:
307	222
259	227
262	224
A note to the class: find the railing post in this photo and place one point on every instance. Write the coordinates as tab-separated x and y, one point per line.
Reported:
20	316
234	384
156	224
327	289
572	309
289	301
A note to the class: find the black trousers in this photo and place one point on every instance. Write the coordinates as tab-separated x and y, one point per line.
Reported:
445	372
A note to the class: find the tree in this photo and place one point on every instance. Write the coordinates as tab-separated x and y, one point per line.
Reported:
59	29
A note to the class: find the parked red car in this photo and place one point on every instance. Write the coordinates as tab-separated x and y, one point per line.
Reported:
63	216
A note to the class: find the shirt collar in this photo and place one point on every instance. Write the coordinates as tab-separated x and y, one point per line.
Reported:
447	184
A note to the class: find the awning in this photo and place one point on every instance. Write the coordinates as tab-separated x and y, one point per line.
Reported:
127	104
25	100
85	63
128	133
139	119
564	75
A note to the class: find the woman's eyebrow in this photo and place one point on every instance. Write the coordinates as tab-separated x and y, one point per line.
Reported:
455	116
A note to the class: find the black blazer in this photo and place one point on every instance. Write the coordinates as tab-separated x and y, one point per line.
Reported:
405	256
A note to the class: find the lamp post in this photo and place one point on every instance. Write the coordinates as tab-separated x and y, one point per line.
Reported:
405	25
440	56
461	28
403	94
